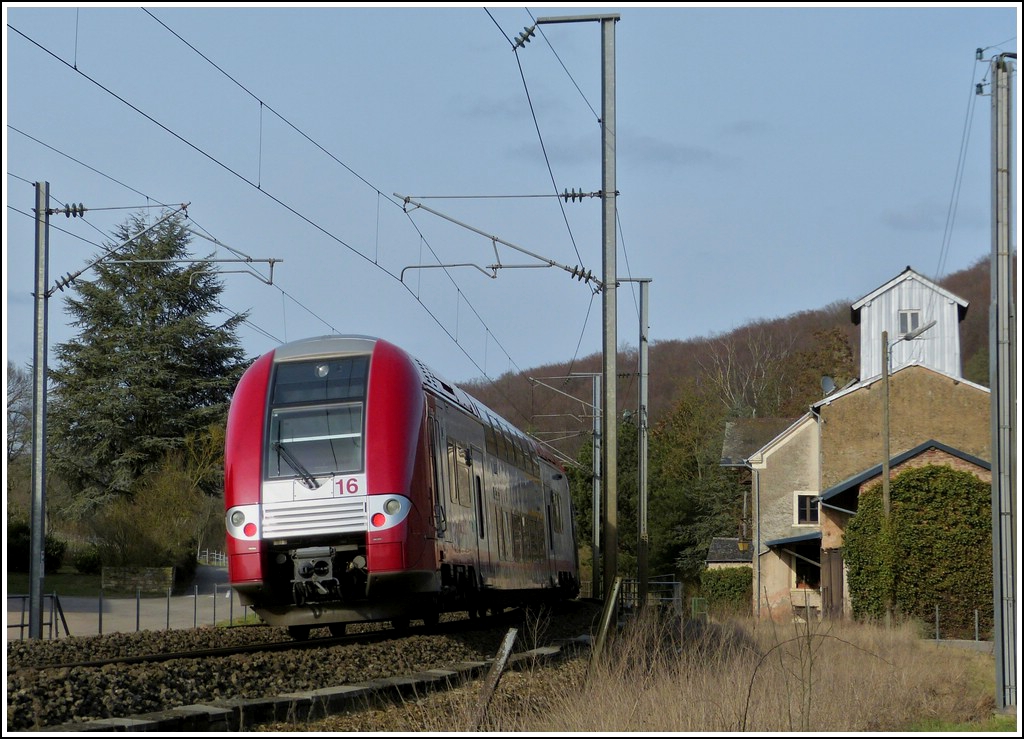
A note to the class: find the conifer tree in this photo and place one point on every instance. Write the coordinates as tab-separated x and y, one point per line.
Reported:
153	362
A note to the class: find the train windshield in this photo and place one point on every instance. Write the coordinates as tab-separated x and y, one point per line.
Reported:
316	418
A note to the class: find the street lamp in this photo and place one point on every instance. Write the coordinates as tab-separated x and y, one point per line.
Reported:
886	505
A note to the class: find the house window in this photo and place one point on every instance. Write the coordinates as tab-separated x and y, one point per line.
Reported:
806	509
909	321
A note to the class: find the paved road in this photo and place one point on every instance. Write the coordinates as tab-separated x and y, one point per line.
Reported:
210	601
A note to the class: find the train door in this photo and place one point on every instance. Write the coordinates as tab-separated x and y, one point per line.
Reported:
439	462
462	527
561	540
553	516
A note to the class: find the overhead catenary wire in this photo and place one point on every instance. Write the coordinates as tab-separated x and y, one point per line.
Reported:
264	191
257	185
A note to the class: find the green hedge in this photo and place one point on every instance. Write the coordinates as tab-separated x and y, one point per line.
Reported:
940	529
727	589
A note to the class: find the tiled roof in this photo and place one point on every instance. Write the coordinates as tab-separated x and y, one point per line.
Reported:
744	436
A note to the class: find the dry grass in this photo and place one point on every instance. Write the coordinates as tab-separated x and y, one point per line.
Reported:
719	677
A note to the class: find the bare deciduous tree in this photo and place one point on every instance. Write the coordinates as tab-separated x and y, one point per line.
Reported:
748	370
19	412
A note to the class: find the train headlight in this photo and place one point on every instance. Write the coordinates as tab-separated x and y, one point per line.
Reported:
243	522
386	511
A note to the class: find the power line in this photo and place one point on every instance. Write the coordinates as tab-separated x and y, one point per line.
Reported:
257	186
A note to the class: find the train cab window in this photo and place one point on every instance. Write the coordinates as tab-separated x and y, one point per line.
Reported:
315	441
316	417
320	381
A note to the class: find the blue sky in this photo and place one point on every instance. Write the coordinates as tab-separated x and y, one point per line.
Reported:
769	160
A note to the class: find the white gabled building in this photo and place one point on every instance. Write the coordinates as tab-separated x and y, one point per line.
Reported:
903	304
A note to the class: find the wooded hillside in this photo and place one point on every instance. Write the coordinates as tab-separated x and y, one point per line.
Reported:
765	368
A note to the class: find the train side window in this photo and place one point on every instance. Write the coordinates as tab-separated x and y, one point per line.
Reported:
502	446
479	507
550	529
453	493
491	439
459	460
556	512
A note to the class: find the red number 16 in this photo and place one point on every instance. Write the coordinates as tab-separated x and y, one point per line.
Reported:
349	486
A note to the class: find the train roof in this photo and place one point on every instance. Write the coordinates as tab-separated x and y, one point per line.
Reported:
318	346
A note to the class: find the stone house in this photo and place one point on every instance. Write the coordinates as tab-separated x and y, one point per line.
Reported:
804	482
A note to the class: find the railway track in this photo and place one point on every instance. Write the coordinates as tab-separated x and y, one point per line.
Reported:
375	634
223	688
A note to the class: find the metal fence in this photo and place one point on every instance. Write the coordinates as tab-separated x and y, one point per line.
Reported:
52	611
209	557
90	616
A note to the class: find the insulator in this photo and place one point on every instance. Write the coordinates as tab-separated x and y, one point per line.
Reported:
524	38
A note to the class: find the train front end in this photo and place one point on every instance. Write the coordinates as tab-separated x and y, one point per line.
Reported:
327	519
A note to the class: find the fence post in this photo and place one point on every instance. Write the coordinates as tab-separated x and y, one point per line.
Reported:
168	609
936	622
215	603
138	606
975	624
101	612
195	606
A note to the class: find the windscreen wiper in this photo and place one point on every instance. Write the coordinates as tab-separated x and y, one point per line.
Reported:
307	479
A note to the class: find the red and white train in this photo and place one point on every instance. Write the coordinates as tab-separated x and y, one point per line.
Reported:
360	486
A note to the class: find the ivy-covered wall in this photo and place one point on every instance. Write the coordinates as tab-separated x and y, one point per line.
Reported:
937	551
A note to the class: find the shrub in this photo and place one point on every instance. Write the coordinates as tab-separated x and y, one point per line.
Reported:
157	527
728	588
19	548
53	553
87	560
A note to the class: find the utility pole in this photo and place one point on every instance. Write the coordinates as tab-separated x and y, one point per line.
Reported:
643	540
886	505
609	278
596	487
1002	374
886	522
36	568
642	544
